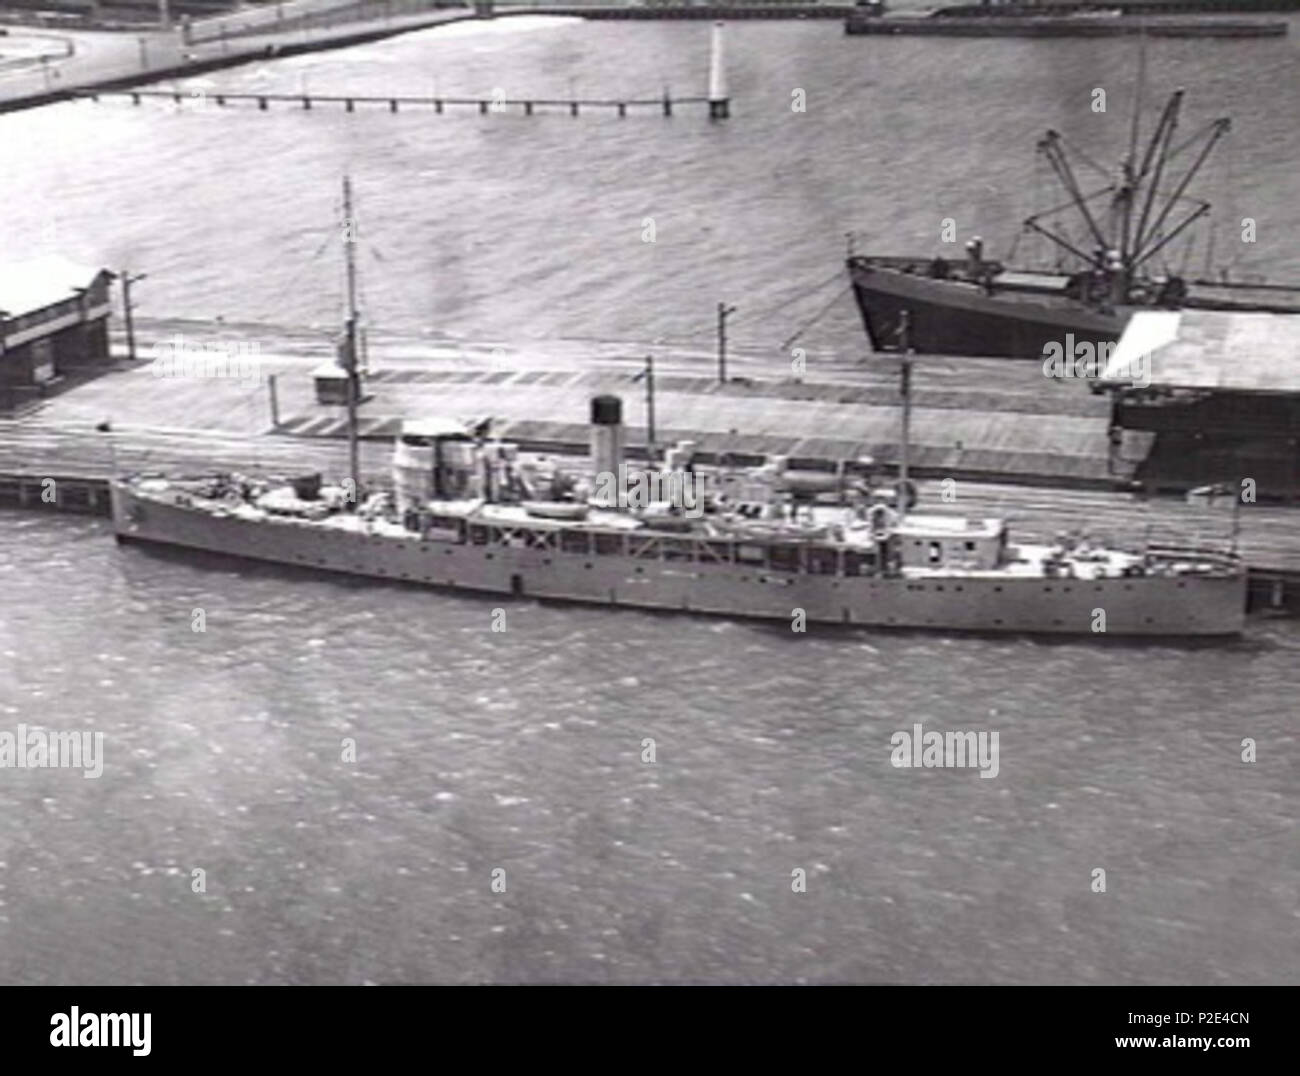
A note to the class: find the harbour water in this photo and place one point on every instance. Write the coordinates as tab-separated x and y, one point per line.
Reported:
506	227
522	750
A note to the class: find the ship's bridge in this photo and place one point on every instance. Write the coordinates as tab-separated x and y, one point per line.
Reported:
433	459
950	541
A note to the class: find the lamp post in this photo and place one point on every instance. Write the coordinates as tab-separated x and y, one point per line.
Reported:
724	311
106	427
127	308
82	304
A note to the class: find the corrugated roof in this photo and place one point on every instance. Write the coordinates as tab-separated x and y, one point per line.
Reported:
1208	349
36	283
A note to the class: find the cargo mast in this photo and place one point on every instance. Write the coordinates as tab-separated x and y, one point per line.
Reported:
348	348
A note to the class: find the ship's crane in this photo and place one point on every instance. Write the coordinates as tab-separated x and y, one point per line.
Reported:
1138	225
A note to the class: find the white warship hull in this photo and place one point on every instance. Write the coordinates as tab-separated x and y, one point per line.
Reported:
1151	605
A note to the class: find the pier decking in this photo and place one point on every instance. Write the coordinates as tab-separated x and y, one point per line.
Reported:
1041	465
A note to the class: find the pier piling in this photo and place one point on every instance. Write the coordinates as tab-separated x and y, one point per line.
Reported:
719	106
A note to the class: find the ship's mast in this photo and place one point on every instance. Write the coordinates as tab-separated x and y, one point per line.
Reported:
1130	162
348	355
1129	245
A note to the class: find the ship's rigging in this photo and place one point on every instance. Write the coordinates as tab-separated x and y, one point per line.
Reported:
1142	217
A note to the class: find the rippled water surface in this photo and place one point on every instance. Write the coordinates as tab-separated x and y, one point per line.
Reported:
522	750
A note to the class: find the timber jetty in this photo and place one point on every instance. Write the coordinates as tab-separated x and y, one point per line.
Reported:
350	102
1036	454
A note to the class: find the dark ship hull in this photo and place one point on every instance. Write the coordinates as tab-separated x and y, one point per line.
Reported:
957	317
1011	314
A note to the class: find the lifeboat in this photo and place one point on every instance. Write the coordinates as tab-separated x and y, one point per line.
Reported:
563	510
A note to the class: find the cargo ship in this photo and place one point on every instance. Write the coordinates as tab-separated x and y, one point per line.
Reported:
979	306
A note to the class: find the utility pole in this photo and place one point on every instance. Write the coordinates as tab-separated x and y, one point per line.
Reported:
648	375
724	311
127	308
349	351
905	390
107	428
275	402
650	407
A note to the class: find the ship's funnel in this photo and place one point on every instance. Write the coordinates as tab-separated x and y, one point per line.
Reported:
606	442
